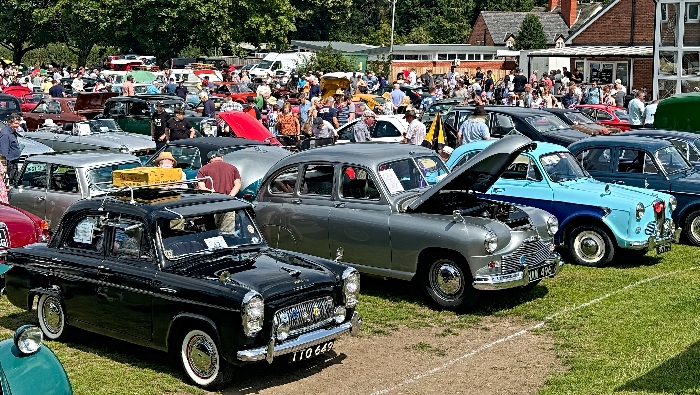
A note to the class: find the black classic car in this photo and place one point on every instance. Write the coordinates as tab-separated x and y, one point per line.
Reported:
184	272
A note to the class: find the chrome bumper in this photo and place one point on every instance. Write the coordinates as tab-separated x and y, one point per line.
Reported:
305	340
652	241
514	280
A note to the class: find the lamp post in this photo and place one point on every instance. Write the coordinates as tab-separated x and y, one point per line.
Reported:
393	13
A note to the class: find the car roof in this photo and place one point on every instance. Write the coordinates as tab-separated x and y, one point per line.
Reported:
83	159
676	134
600	106
649	143
369	154
522	111
214	142
542	147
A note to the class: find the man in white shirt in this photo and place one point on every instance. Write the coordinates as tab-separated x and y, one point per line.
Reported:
412	77
77	84
636	109
415	132
649	112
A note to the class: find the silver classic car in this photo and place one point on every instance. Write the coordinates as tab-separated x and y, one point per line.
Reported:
49	183
398	212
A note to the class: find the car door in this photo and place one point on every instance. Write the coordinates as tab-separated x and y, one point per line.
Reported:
598	162
359	219
128	275
523	183
636	167
30	190
63	189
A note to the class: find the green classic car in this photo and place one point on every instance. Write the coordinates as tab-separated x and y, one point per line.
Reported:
133	113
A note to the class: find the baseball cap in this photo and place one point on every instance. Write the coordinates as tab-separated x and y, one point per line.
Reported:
213	154
159	103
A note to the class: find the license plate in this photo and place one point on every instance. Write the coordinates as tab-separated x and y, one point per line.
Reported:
312	351
4	239
663	248
542	272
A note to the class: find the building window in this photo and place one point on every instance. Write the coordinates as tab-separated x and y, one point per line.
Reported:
462	56
488	56
664	12
397	57
693	12
560	43
426	57
474	56
411	57
442	56
452	56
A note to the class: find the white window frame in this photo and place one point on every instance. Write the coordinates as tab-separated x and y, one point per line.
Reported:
687	13
664	11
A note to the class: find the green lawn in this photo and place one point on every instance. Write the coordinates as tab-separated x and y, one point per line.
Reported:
631	328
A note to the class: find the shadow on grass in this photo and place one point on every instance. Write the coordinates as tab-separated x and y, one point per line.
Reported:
411	292
678	375
631	261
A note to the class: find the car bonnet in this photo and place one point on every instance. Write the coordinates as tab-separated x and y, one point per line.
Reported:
92	102
480	172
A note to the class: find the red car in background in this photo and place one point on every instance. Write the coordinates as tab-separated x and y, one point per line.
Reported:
240	124
19	228
238	92
607	115
27	98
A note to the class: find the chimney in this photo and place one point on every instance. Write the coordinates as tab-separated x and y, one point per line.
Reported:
553	4
568	11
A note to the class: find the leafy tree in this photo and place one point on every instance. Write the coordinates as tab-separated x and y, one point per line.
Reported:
325	61
531	34
21	30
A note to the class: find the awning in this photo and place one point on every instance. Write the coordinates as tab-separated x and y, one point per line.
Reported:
502	53
596	52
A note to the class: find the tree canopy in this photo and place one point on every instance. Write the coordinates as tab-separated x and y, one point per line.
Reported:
531	34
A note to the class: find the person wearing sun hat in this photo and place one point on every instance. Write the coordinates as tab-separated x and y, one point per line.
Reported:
166	160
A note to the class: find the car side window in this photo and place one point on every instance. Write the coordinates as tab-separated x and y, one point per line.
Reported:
595	159
685	150
87	235
130	241
385	129
317	180
603	116
464	158
285	182
35	175
63	179
186	157
523	168
635	161
357	184
502	125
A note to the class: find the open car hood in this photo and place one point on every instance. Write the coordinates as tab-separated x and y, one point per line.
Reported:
480	172
17	91
92	102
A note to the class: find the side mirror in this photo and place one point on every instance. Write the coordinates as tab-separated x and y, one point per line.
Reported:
339	254
457	216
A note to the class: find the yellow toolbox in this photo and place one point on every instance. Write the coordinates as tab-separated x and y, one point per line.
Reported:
145	176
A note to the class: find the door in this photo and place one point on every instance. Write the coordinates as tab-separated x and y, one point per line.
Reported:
63	190
359	220
637	168
30	191
597	162
523	183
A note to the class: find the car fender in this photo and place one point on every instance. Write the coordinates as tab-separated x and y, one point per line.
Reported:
38	373
185	316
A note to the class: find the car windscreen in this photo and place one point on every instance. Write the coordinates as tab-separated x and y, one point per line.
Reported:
578	118
412	173
562	166
207	233
265	64
622	115
671	160
546	123
101	177
99	125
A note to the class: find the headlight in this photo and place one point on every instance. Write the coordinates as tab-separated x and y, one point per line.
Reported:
640	210
253	312
490	241
552	225
351	287
28	339
282	327
672	203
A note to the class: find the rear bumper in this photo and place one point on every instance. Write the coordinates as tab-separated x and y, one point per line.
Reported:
517	279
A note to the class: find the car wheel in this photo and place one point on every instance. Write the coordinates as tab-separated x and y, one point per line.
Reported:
52	317
202	361
589	245
692	228
447	282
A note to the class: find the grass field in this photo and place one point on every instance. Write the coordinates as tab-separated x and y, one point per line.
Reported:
631	328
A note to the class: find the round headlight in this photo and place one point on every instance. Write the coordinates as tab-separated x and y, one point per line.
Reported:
640	210
351	286
253	312
552	225
28	339
283	327
339	314
490	241
672	203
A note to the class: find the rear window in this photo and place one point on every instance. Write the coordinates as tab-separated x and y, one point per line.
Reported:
546	123
8	105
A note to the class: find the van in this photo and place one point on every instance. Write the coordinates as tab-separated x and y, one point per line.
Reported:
278	61
679	112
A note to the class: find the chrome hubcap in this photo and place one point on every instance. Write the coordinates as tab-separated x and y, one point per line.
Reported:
695	228
589	246
446	279
52	315
201	355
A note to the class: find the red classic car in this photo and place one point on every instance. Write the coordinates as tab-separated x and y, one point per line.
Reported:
238	92
19	228
239	124
607	115
67	109
28	99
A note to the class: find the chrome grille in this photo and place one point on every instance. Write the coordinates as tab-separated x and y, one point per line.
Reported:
308	315
533	252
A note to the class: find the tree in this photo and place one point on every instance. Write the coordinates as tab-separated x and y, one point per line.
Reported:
531	34
21	29
325	61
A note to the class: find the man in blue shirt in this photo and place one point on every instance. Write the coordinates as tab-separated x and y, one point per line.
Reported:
428	101
304	106
649	113
473	129
397	96
636	109
170	87
9	146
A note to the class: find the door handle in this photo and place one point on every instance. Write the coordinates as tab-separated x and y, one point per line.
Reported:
338	205
296	201
168	290
619	182
40	198
496	190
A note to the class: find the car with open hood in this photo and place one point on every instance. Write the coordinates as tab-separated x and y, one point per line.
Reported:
62	110
186	272
26	96
597	221
397	212
242	125
648	163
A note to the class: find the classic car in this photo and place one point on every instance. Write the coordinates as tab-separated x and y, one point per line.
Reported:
386	128
67	82
192	154
679	112
9	105
534	123
238	92
415	93
66	109
19	228
398	212
687	143
97	133
580	121
647	163
47	184
186	272
29	367
133	114
28	99
597	221
612	116
252	163
30	147
239	124
442	106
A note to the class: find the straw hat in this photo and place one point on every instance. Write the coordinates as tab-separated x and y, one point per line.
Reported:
271	100
339	92
165	155
386	96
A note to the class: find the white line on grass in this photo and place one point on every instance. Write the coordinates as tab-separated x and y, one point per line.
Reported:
475	351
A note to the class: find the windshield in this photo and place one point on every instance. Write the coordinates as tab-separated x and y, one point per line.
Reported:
103	175
99	125
671	160
622	115
562	166
578	118
265	64
412	173
546	122
202	234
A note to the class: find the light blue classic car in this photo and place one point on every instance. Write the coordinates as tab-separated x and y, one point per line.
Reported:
596	219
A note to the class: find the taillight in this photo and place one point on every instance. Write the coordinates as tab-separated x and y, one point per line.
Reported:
659	206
